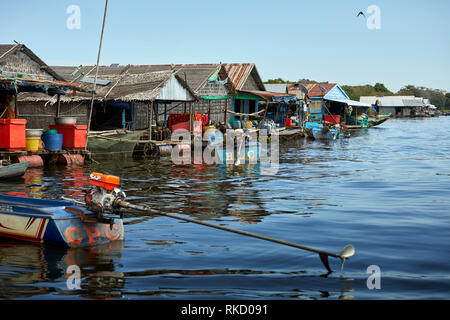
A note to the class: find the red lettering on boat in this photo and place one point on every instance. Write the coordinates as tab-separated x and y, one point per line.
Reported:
68	234
108	235
93	232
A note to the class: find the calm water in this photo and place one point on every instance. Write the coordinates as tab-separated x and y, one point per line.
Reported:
385	190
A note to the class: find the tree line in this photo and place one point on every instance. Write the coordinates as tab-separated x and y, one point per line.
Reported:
440	98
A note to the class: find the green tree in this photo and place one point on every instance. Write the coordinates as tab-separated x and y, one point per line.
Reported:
379	87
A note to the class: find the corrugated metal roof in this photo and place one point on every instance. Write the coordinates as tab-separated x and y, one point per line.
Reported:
238	73
393	101
314	88
277	87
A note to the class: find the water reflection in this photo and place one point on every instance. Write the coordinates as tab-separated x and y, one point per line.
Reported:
37	269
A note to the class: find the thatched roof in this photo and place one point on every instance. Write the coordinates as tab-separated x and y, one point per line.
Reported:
195	75
124	83
9	49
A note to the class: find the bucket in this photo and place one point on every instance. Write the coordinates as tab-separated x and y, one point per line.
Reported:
235	124
52	141
32	143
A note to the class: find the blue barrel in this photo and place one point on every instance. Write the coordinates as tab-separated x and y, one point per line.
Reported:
235	124
52	141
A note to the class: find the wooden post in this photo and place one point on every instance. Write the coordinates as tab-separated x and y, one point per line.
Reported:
191	125
16	110
58	105
209	112
150	121
264	118
165	115
225	113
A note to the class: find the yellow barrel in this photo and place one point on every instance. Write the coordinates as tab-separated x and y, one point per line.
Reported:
32	143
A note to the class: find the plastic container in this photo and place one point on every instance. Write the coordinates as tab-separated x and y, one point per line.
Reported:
52	141
335	119
74	136
12	134
34	132
235	124
104	181
51	131
32	143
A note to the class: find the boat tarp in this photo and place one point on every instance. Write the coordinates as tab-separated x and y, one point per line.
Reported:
352	103
215	97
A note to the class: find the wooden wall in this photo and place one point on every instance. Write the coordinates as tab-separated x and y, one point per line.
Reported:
39	116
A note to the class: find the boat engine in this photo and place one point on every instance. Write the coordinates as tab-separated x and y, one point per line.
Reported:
103	196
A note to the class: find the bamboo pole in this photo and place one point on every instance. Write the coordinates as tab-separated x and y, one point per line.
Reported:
96	71
58	106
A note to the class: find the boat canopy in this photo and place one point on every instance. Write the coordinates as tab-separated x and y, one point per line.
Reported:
352	103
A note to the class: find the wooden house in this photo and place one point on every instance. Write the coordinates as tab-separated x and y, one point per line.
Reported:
398	106
126	97
23	73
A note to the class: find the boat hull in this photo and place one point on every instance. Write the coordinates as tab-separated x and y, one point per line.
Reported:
117	143
315	130
14	170
55	222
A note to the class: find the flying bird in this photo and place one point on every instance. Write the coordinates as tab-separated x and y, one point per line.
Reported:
361	14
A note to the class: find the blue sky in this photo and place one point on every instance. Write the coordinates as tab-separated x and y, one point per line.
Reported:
291	39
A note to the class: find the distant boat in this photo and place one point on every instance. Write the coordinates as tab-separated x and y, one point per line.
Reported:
13	170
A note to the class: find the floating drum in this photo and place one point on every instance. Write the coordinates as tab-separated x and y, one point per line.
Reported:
70	159
35	160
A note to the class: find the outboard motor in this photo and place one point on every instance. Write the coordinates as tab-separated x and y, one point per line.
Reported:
102	197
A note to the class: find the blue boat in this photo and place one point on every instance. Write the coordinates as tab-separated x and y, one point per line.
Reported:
316	130
14	170
55	222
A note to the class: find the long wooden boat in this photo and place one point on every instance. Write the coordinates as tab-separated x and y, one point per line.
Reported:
114	141
55	222
373	123
14	170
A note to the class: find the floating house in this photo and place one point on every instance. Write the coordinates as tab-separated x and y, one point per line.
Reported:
226	90
398	106
24	73
329	102
127	97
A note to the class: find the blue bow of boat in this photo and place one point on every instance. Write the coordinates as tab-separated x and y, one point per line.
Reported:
53	221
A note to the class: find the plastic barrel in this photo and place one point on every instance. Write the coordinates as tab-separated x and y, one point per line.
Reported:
52	141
